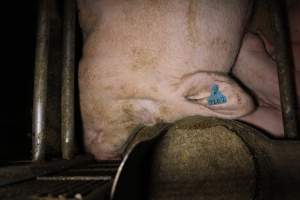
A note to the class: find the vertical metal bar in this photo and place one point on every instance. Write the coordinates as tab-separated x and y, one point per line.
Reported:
285	70
67	99
40	82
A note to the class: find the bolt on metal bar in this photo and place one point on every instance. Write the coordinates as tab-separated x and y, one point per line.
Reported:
40	82
67	97
285	70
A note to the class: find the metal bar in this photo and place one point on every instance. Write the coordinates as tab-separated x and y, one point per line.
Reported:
285	70
15	174
40	82
95	170
67	99
74	178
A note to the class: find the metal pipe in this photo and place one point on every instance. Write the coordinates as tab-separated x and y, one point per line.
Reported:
40	82
67	97
285	70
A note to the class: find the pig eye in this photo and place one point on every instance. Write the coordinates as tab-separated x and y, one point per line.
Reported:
216	96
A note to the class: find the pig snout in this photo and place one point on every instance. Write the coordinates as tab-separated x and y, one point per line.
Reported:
151	61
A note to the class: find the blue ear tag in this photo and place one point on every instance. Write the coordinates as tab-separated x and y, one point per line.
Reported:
216	96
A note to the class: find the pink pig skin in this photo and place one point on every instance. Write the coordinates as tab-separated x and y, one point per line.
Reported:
147	61
256	68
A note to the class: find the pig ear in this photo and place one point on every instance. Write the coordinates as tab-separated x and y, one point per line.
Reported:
216	95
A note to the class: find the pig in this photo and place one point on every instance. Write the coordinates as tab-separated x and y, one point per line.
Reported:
150	61
257	57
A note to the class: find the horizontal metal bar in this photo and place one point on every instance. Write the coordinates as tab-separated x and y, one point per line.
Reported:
74	178
95	170
15	174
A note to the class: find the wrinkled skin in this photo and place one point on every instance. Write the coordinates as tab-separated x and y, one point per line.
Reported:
147	61
256	68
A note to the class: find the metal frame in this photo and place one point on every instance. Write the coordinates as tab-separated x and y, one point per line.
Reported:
41	77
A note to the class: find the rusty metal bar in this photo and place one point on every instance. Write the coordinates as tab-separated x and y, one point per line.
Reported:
40	82
67	99
285	70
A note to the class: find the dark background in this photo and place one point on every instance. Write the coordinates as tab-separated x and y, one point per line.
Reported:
17	64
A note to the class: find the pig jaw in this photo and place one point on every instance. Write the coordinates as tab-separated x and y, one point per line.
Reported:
107	131
106	144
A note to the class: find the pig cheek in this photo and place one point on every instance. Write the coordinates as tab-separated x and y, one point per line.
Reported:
106	136
117	130
110	142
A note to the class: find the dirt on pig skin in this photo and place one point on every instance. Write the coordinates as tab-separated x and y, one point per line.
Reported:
150	61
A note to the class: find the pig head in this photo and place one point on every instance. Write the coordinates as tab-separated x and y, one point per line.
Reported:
148	61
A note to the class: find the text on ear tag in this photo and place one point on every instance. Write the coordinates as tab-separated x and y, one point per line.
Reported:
216	96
